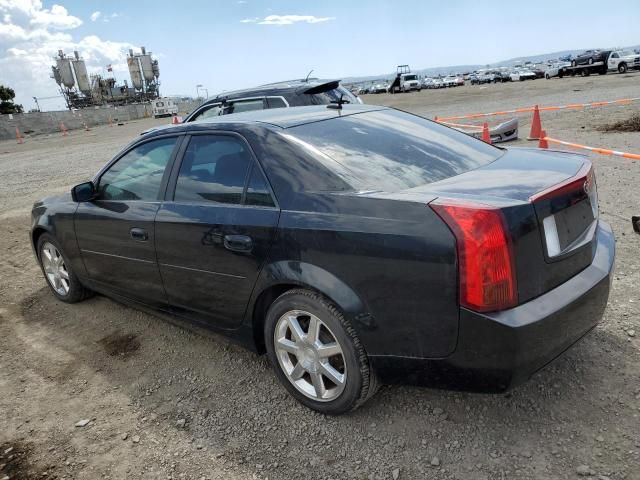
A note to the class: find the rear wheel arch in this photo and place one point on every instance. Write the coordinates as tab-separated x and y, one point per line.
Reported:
295	275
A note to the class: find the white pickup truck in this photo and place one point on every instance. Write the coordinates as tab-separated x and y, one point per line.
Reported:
623	60
409	81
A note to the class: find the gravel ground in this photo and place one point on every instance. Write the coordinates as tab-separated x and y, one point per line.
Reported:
166	401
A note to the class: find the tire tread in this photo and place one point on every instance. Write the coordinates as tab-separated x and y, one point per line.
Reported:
369	379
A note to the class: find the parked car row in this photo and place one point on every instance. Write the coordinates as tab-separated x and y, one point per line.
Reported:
443	82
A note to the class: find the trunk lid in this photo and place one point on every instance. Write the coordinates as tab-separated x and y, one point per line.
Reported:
549	203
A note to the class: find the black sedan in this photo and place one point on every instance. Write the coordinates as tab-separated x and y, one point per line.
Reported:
355	246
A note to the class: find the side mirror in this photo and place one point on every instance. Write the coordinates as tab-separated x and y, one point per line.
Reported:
85	192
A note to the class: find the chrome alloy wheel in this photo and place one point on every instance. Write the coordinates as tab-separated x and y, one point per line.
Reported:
310	356
55	269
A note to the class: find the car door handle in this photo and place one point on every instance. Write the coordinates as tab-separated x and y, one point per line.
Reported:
139	234
238	243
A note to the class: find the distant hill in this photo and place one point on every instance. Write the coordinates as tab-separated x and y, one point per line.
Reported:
453	69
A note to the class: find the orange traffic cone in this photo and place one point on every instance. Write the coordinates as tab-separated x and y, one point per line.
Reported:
486	137
543	140
63	129
536	125
19	137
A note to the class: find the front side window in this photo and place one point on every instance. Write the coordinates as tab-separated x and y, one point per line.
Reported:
214	169
138	174
211	111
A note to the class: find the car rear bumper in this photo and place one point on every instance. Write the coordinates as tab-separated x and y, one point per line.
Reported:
496	351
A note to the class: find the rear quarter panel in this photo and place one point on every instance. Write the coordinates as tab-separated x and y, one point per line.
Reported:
389	265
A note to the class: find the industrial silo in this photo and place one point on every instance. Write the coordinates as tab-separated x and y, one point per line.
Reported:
134	70
147	66
64	68
81	74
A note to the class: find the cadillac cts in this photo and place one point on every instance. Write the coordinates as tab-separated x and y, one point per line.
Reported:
355	245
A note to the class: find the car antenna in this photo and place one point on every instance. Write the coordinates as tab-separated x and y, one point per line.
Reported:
337	104
308	74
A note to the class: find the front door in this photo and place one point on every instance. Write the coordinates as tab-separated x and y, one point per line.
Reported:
214	233
115	232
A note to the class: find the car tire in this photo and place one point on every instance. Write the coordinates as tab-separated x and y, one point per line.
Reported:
310	376
590	61
622	68
573	63
546	75
55	267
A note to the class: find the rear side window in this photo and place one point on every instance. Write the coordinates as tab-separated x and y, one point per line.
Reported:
257	191
390	150
214	168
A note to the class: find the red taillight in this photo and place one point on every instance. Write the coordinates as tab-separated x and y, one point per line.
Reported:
485	256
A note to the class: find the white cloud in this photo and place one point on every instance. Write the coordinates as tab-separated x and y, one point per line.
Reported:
30	37
287	19
96	15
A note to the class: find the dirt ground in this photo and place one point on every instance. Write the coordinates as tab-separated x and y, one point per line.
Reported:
164	401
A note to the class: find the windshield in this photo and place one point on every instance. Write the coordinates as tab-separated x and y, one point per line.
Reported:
390	150
410	77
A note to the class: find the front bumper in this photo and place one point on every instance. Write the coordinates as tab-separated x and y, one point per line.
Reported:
496	351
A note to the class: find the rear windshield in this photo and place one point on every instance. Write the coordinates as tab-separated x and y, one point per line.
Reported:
330	96
390	150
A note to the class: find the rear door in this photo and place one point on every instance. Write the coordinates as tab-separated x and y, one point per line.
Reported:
115	232
215	228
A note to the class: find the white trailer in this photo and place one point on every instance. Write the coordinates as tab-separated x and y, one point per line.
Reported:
164	107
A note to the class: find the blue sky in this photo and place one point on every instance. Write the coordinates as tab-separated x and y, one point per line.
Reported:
206	42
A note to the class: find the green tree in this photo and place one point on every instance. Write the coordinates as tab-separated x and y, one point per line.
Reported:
7	94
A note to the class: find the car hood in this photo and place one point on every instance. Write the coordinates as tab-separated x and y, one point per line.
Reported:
53	199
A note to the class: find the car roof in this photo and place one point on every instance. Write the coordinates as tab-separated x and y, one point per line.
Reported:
271	89
276	117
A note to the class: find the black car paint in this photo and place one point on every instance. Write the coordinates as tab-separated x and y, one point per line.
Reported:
385	259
